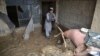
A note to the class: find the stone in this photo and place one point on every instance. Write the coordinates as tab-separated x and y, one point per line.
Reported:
4	29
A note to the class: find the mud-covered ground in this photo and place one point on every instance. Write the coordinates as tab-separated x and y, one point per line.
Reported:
37	45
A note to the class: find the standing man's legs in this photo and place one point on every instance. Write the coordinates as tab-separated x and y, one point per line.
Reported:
47	33
48	28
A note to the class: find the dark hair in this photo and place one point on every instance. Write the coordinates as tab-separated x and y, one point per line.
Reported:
49	9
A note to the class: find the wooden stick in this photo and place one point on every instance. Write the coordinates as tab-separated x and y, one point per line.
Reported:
57	35
62	36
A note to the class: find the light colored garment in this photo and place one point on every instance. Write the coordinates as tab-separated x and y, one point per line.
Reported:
93	39
48	27
95	53
48	23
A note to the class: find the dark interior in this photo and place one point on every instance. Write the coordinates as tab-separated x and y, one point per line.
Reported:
12	14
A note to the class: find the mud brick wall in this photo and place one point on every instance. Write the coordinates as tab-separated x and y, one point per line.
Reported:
96	19
76	13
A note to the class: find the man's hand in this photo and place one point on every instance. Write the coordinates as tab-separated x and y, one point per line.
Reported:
56	22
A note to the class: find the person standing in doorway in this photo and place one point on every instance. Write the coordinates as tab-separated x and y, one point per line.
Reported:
50	17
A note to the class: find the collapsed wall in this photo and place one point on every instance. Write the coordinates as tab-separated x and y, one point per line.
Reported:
6	26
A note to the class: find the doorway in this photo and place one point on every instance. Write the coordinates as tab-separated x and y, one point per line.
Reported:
45	6
12	14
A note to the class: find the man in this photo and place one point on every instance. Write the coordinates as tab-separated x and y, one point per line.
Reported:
84	40
50	16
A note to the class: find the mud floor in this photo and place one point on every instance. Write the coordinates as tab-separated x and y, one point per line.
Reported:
37	45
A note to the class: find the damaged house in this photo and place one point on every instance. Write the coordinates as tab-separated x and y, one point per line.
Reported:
71	14
76	13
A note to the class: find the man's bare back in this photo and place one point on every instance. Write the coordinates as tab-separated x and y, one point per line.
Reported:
78	39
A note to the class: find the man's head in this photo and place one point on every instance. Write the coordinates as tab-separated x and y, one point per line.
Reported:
51	9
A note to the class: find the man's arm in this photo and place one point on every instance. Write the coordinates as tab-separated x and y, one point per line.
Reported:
47	17
55	18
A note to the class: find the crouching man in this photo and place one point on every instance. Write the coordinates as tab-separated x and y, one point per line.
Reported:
86	41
